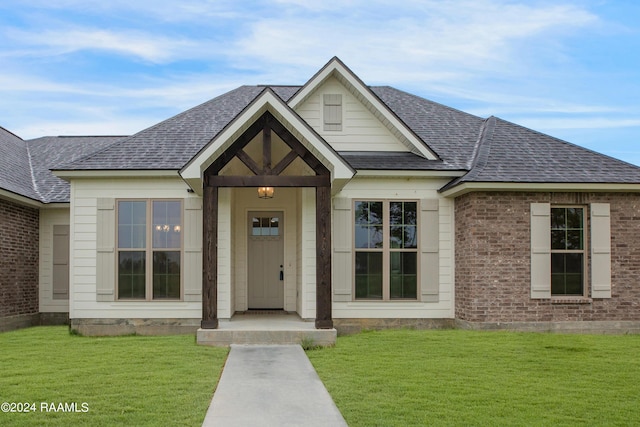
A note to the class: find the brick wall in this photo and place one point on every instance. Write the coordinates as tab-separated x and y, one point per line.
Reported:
18	260
493	251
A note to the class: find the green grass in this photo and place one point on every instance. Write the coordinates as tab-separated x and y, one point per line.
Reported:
132	380
468	378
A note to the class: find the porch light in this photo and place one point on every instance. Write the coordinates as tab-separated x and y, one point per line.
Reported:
265	192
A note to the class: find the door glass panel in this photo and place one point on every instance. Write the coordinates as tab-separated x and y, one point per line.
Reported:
265	226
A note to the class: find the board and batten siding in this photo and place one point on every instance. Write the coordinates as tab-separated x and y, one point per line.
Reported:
50	220
436	300
361	130
85	195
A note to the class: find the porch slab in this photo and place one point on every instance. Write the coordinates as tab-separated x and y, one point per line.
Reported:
266	329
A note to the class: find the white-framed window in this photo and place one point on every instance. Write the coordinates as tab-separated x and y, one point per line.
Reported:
149	249
386	250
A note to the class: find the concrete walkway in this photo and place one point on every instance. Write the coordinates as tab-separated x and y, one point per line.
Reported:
271	385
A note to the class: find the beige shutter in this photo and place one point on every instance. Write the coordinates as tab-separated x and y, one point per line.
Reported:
105	250
600	250
60	277
332	112
192	269
430	250
540	250
342	249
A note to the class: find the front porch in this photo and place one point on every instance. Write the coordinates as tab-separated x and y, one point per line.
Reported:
266	328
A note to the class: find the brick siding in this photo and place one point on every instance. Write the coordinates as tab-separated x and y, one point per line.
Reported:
493	250
19	227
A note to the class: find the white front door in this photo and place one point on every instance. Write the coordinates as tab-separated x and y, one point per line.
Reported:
265	260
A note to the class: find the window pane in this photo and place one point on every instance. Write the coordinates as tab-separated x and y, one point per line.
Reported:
166	274
131	275
567	271
574	218
369	236
574	239
558	220
132	224
255	226
167	226
368	213
558	239
403	280
410	213
369	275
274	227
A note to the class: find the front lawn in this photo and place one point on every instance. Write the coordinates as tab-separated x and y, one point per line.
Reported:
469	378
132	380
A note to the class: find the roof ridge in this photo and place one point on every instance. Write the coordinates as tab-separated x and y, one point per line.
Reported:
483	147
34	183
481	152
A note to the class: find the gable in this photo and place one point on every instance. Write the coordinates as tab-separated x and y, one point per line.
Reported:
336	70
266	102
360	130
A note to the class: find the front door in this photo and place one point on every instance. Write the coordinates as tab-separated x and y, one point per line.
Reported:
265	260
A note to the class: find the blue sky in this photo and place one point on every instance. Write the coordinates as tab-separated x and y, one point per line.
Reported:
570	69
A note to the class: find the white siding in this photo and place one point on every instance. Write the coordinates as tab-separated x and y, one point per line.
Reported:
416	189
308	230
84	196
49	218
225	306
361	130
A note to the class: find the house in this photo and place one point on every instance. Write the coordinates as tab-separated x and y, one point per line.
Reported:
352	206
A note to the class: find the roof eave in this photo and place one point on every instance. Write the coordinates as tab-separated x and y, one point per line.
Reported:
468	187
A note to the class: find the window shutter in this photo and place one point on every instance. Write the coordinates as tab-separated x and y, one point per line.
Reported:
540	250
60	277
105	250
342	249
192	276
430	250
332	112
600	250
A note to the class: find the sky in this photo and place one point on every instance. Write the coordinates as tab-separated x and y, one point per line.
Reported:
567	68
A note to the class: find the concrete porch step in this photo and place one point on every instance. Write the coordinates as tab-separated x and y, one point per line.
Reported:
266	329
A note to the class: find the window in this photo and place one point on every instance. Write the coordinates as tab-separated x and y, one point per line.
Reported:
149	242
265	226
386	250
567	251
332	112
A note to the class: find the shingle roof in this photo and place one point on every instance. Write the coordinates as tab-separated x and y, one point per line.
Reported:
451	133
172	143
490	150
511	153
392	160
50	152
15	168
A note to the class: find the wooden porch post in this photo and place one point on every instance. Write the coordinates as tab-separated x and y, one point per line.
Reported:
323	258
210	259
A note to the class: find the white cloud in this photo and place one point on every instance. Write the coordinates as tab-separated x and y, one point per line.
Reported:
146	46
